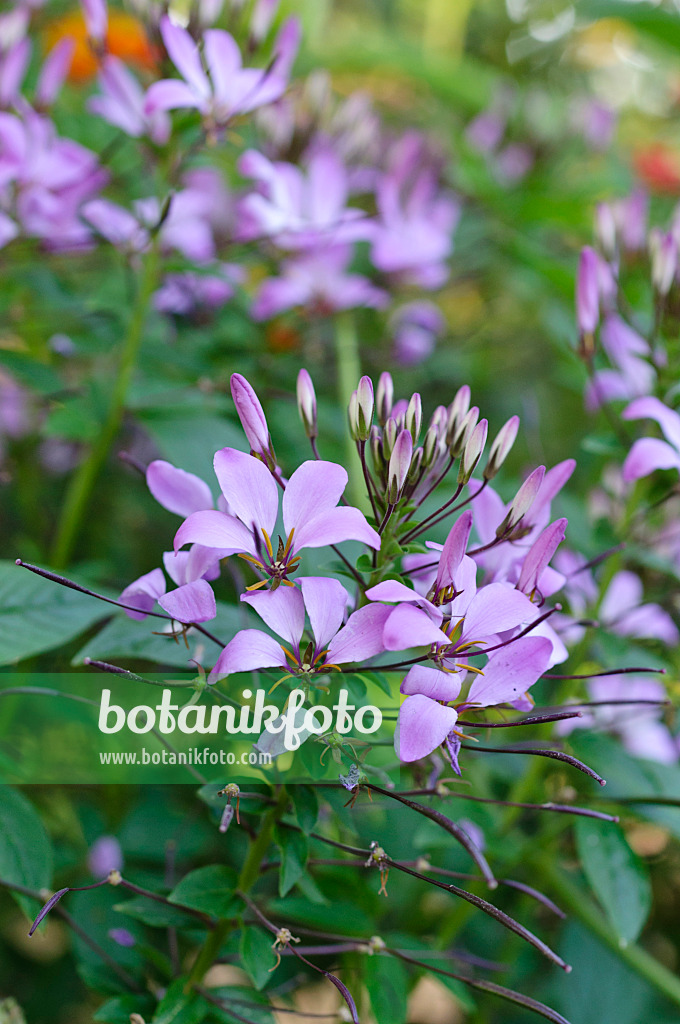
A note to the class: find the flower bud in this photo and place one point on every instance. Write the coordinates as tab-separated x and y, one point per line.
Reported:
384	397
500	449
376	447
389	437
472	452
587	292
457	411
364	409
306	402
522	502
261	19
664	253
539	555
416	465
439	420
463	431
251	416
96	19
400	463
453	552
414	416
430	445
353	414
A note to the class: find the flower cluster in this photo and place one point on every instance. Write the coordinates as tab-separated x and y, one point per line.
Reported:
467	619
326	188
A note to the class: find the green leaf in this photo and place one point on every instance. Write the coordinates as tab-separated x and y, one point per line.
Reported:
25	849
309	755
246	1003
257	955
387	983
617	876
38	615
294	853
306	806
118	1010
178	1008
210	889
156	915
124	638
657	23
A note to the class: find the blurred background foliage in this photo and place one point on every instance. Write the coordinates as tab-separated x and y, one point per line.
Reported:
510	333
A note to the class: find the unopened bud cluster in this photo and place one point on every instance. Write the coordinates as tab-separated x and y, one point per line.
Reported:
405	457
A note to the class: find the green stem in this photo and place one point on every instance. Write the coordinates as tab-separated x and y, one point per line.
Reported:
250	872
637	958
348	367
82	483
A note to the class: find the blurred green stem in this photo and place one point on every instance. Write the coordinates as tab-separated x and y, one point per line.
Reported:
445	25
572	898
348	366
84	479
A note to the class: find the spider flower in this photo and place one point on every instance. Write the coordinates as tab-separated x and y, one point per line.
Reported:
651	453
311	518
325	602
215	83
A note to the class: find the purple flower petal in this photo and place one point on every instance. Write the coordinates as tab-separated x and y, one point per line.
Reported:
651	408
184	55
105	855
175	489
454	549
432	682
539	555
214	529
122	937
249	488
250	649
494	609
326	602
411	627
362	636
649	620
647	455
333	527
168	94
553	482
223	58
510	672
283	610
423	726
397	592
193	602
143	593
624	593
314	489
